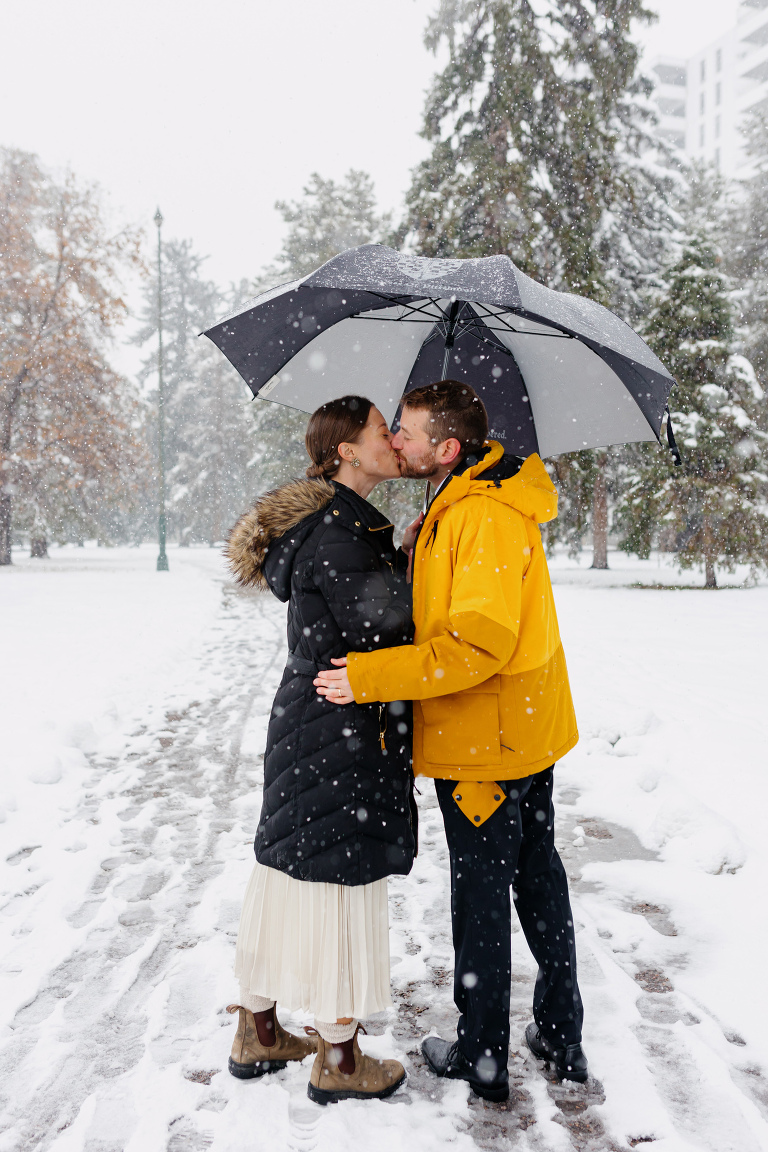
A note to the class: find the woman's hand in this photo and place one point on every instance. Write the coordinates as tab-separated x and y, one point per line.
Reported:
409	536
335	684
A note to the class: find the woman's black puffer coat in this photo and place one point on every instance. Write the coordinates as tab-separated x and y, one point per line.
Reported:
337	780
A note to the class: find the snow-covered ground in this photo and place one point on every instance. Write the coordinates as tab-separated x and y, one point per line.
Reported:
133	708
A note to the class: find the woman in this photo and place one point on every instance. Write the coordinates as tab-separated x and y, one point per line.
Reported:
336	817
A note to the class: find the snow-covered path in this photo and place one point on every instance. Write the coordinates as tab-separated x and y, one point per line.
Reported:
118	919
123	1004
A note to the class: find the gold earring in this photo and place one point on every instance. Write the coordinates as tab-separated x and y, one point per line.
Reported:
355	463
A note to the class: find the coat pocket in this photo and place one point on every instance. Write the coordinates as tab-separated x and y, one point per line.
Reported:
462	730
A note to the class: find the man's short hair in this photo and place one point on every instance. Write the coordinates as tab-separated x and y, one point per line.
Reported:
455	411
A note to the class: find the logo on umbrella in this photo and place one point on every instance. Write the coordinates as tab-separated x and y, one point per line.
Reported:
423	268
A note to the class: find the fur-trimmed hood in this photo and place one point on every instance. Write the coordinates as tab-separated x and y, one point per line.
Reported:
271	517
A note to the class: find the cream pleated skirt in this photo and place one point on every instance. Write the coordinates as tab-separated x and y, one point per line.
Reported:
319	948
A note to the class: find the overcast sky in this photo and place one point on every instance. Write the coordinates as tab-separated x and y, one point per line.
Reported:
214	110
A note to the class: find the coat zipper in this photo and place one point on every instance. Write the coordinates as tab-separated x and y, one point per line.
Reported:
382	528
382	726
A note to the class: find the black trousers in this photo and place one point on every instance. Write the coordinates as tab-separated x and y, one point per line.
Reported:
514	847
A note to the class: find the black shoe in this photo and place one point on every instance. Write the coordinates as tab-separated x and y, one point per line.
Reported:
570	1063
445	1059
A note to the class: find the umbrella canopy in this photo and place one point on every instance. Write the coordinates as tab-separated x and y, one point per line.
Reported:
557	372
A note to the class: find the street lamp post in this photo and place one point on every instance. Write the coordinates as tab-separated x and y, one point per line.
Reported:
162	559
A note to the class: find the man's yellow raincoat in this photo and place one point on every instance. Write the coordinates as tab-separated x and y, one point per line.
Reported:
486	671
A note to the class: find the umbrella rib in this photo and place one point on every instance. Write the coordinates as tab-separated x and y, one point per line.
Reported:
546	335
477	326
490	343
467	327
396	319
411	308
517	331
462	324
484	313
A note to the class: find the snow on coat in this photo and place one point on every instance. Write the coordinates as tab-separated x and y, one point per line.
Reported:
486	670
337	780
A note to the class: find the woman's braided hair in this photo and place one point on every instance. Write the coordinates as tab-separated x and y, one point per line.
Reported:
337	422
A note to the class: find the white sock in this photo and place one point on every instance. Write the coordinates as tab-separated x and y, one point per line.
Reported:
255	1003
336	1033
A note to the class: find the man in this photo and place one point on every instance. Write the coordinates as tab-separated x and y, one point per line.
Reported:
492	713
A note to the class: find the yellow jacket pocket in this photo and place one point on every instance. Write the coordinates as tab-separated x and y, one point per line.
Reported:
463	729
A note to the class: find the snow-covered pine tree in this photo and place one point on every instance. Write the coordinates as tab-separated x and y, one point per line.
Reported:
587	483
746	249
539	127
210	437
715	504
214	473
330	218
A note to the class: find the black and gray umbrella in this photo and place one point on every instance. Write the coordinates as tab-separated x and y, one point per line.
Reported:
556	372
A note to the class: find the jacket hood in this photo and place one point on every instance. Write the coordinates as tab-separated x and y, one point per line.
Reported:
272	516
522	484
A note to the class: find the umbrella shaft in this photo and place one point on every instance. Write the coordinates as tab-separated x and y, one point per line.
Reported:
450	334
449	339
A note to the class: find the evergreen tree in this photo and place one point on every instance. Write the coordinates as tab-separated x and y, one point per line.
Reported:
715	504
587	482
747	246
538	128
213	474
540	139
210	437
330	218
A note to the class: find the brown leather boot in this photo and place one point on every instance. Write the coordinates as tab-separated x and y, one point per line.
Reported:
343	1072
251	1058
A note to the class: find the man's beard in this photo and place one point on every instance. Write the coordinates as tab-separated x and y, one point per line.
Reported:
422	468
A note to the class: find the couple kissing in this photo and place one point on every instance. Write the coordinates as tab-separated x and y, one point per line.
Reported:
439	658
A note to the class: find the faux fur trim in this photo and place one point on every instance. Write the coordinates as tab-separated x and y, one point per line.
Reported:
273	514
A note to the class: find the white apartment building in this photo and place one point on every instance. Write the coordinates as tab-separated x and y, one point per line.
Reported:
702	101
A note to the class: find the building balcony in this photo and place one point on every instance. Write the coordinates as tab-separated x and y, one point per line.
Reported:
668	106
671	73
